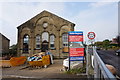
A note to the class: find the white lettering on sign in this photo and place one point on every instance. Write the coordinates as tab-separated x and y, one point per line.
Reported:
75	38
76	51
76	33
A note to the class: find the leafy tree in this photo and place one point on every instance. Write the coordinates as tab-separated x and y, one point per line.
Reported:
13	50
99	44
118	40
106	44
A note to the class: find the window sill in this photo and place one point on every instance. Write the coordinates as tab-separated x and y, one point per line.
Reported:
25	52
65	52
37	49
53	48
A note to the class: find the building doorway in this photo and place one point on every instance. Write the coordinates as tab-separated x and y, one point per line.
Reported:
44	46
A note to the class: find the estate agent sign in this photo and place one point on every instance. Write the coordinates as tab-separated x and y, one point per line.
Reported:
76	48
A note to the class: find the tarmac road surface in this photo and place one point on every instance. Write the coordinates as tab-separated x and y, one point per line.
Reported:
109	57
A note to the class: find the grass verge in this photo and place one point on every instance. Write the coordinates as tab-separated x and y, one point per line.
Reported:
76	71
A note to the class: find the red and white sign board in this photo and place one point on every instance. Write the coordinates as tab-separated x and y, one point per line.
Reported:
76	51
75	38
76	54
91	35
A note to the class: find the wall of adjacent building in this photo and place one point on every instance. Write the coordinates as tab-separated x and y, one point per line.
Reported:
4	42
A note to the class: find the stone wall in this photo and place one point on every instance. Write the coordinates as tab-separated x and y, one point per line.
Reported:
4	42
56	26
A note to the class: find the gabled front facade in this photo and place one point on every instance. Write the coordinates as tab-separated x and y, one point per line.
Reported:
42	32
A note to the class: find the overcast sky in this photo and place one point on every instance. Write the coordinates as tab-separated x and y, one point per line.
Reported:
99	17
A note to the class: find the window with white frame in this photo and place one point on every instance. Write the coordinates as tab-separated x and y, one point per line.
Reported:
38	42
52	41
65	40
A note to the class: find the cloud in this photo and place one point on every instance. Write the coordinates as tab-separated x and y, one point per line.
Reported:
98	17
22	12
13	14
59	0
102	20
100	4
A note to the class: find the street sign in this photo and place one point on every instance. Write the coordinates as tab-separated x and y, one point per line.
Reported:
75	33
75	36
78	58
91	35
76	51
76	48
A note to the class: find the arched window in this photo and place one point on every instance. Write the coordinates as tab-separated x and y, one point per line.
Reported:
45	36
52	41
38	42
65	40
25	43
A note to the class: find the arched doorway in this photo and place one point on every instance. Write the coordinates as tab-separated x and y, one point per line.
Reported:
44	46
45	39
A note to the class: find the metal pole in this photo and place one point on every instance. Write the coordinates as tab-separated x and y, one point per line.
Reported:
87	60
68	52
84	55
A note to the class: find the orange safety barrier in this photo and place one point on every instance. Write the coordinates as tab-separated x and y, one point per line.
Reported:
16	61
5	63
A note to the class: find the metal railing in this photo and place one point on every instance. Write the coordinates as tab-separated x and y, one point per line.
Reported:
101	72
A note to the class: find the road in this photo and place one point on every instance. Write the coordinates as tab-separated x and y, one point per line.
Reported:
109	57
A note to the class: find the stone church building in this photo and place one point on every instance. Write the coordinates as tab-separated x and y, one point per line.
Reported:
42	32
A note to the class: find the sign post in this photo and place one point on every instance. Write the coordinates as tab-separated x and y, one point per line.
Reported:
91	36
76	48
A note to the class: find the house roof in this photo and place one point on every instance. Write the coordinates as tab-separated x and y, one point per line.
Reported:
43	14
4	36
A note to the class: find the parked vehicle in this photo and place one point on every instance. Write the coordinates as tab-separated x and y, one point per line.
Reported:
73	64
98	48
118	52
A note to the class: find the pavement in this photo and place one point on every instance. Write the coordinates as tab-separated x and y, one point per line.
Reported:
51	72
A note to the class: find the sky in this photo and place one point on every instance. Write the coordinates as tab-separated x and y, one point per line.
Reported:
95	16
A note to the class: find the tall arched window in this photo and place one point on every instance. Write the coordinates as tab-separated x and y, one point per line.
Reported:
38	42
52	42
45	36
25	43
65	40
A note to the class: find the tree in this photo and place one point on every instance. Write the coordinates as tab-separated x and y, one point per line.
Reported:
13	50
106	44
99	44
118	40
